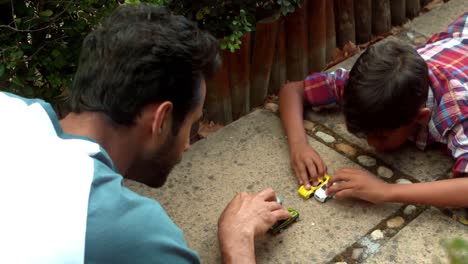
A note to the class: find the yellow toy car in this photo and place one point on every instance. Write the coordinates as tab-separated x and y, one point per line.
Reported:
307	193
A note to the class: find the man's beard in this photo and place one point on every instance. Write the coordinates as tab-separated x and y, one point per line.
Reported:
153	170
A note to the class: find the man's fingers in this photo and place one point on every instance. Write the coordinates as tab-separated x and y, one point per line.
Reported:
267	195
281	214
273	206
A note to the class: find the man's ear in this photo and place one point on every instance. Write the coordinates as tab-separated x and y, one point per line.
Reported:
423	116
162	118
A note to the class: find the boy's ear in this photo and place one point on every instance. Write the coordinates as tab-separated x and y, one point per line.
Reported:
423	116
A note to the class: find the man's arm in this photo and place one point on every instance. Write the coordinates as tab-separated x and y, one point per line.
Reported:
246	217
317	90
360	184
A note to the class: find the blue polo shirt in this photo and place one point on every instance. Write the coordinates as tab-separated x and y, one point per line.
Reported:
63	201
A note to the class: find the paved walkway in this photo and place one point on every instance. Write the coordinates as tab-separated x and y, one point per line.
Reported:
251	154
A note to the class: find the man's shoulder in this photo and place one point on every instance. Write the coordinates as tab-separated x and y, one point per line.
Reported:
110	199
124	226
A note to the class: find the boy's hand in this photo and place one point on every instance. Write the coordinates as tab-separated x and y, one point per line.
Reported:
306	164
359	184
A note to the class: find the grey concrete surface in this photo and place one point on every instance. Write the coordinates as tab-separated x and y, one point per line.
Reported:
250	155
438	18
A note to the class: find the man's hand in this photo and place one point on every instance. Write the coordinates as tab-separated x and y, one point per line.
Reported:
359	184
306	164
246	217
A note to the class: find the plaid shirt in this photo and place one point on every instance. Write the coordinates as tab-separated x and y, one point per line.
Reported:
447	60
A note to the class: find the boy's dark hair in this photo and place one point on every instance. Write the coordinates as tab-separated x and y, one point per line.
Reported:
387	86
142	54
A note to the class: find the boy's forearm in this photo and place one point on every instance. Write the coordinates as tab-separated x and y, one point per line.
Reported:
292	111
444	193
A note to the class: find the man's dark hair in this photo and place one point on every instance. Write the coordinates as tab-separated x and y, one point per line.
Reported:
386	88
142	54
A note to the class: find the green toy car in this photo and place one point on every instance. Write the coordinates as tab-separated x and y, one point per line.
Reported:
280	225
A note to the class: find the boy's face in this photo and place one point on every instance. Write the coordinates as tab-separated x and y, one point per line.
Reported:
389	140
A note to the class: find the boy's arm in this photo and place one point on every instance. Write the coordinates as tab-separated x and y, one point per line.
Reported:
443	193
360	184
317	90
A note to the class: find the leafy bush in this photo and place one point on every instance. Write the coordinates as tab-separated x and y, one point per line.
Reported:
40	43
457	250
40	39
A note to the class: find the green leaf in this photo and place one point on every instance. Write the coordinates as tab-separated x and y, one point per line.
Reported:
132	2
18	21
2	70
46	13
56	53
17	55
199	15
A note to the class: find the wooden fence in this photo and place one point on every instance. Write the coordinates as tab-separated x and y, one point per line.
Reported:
288	48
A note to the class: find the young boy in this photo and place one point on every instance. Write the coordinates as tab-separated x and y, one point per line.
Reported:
392	93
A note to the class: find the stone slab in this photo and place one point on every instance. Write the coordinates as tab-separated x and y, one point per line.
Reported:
249	155
438	18
419	241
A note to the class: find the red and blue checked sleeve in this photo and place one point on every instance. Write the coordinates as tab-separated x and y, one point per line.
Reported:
458	145
460	169
324	89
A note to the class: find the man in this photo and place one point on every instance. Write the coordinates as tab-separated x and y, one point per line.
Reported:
139	87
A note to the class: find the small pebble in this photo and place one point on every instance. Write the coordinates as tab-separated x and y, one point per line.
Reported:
384	172
308	125
367	161
325	137
347	149
272	107
409	210
395	222
390	232
377	234
403	181
357	252
342	262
